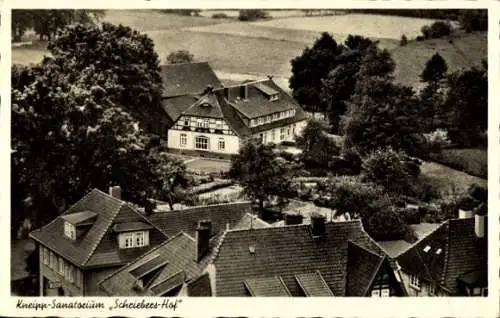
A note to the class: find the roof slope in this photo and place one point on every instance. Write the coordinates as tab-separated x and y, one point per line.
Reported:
221	215
313	285
188	78
81	250
286	252
362	266
446	253
175	106
267	287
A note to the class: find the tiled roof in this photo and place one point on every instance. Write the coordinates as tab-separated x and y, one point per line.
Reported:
448	252
175	106
84	251
200	287
362	266
206	106
172	222
178	253
286	252
313	285
267	287
188	78
249	221
257	102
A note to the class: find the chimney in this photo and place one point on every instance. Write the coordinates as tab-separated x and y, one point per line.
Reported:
465	214
480	217
202	239
115	192
244	91
317	224
269	76
208	89
293	218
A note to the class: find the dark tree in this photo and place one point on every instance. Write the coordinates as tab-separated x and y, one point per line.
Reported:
382	114
403	41
181	56
310	68
117	58
435	69
317	148
474	20
261	173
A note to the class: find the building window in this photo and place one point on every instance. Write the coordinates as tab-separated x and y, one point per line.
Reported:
414	282
268	118
384	292
273	134
432	289
78	277
293	129
222	144
376	293
199	123
288	131
69	230
282	133
261	120
206	123
139	239
265	137
52	260
218	124
273	97
61	266
485	291
252	122
201	142
476	291
183	140
275	116
45	255
134	239
278	115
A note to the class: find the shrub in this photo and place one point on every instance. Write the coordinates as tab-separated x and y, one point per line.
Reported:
287	143
219	16
437	140
419	38
410	215
252	15
393	170
403	41
437	29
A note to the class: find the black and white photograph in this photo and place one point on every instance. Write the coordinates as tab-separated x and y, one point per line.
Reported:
249	153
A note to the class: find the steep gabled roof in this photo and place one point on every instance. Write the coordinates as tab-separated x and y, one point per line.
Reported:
221	215
450	251
188	78
286	252
362	266
82	251
175	106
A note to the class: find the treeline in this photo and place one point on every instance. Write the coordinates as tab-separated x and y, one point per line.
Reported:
46	23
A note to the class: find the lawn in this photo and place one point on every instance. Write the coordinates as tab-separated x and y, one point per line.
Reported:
472	161
208	165
451	181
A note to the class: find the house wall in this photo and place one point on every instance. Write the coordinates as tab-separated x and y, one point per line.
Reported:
268	134
93	277
424	287
69	288
232	142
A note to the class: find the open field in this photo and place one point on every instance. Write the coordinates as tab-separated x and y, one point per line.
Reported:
463	51
207	165
369	25
471	161
266	47
451	181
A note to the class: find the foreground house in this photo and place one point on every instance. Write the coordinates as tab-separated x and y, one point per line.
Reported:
93	238
450	261
214	120
100	234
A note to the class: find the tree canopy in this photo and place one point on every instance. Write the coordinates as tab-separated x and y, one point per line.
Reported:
46	23
181	56
71	129
435	69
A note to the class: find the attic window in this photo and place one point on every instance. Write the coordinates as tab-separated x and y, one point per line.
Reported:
69	230
251	249
427	248
273	97
439	251
205	105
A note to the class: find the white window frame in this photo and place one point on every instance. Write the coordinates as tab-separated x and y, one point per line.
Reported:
206	123
415	282
45	255
275	116
69	230
183	140
133	239
199	123
432	289
52	260
140	239
221	144
61	266
218	124
282	133
376	293
198	142
477	291
385	292
273	134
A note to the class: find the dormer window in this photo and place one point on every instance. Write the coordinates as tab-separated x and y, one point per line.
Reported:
273	97
69	230
132	234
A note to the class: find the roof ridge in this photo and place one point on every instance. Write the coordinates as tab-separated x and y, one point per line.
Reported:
184	63
293	225
105	229
217	248
446	256
366	249
138	258
203	206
